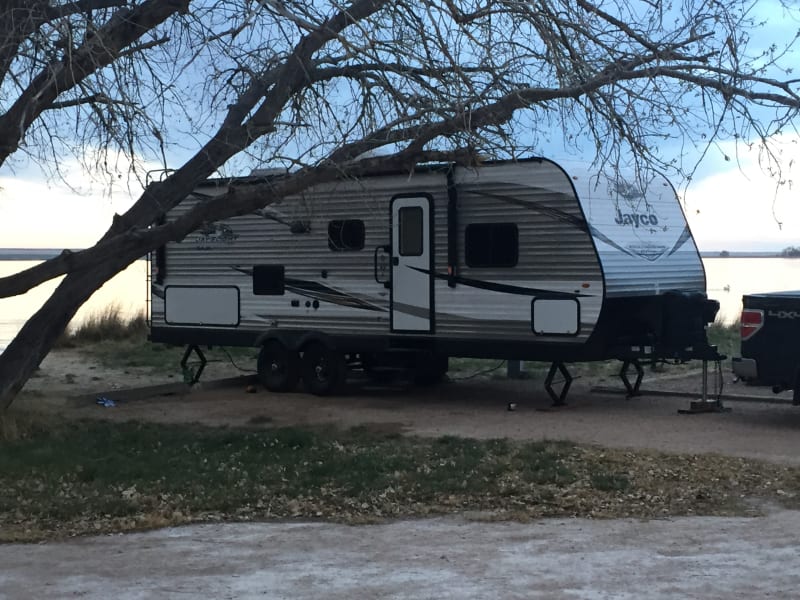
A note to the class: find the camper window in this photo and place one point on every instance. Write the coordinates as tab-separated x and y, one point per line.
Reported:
410	231
491	245
346	235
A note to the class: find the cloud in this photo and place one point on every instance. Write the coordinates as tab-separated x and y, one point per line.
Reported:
743	207
74	213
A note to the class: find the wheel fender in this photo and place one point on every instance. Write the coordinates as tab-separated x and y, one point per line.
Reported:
267	336
315	337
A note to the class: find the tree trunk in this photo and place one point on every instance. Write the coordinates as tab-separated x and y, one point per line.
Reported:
27	350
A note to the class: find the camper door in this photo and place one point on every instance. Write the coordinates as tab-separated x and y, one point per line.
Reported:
412	265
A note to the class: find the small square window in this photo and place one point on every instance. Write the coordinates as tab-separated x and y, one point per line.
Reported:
346	235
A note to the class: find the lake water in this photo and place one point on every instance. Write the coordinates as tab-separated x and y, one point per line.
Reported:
128	290
728	279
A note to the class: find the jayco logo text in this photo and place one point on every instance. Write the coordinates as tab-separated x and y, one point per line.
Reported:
636	219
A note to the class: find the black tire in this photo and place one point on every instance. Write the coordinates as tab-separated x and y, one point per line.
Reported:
430	368
323	369
278	367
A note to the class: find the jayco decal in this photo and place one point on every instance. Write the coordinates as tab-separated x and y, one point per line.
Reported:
213	234
636	219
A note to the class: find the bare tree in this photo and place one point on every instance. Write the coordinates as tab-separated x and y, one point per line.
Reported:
314	87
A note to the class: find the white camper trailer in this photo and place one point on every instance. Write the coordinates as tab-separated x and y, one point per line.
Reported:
517	260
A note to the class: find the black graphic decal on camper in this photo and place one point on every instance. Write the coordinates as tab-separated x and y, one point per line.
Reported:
503	287
553	213
646	250
685	237
557	215
318	291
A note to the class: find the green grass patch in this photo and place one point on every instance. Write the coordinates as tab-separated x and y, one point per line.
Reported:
545	463
609	482
163	358
65	478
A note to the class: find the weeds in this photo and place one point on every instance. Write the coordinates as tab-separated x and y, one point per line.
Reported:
108	324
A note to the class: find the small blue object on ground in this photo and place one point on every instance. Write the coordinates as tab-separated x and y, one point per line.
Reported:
103	401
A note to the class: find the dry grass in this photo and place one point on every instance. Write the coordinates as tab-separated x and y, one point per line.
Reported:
108	324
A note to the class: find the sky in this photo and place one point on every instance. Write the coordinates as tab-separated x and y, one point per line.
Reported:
36	214
740	207
39	213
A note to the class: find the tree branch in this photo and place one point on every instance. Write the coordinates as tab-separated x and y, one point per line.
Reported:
126	26
93	99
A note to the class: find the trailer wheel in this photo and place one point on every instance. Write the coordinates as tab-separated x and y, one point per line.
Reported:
278	367
323	369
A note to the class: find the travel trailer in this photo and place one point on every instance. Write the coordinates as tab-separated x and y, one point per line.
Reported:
521	260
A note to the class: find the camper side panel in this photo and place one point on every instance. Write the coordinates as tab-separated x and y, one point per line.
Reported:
310	258
527	268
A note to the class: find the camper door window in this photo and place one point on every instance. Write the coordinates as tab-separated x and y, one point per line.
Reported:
411	232
491	245
346	235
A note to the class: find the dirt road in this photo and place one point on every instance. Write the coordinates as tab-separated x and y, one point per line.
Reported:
703	557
